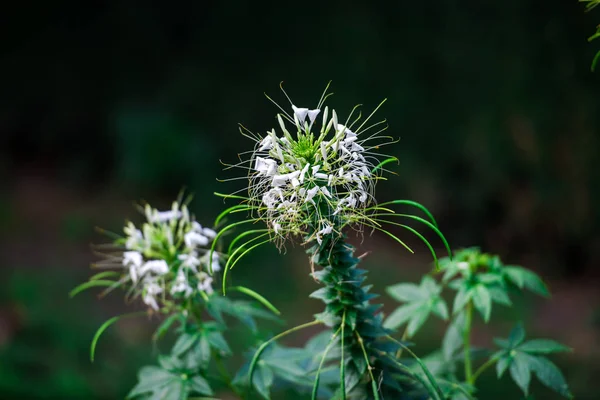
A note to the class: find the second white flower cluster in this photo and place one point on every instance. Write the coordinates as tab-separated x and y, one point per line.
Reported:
168	258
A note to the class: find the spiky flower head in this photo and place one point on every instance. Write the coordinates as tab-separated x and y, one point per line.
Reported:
166	261
315	173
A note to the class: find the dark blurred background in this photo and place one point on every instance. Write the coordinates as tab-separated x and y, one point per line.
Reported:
109	102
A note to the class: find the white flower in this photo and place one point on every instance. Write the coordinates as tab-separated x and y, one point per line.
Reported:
135	239
158	267
181	285
330	162
209	233
205	283
151	301
193	239
164	216
133	260
310	193
150	290
325	231
312	115
325	191
190	261
265	166
300	113
266	144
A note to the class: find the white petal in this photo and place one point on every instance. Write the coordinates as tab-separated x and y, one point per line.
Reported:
209	233
304	171
279	180
159	267
324	152
194	239
312	115
325	191
149	300
300	113
266	143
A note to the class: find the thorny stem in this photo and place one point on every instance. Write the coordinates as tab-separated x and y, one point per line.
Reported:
467	342
347	309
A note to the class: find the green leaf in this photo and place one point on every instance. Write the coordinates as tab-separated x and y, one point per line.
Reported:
262	380
550	375
170	363
183	343
483	301
440	309
499	295
520	372
401	315
517	335
595	61
105	326
150	379
417	320
200	385
175	390
407	292
462	298
284	367
453	339
217	341
164	326
93	283
527	279
543	346
257	297
502	364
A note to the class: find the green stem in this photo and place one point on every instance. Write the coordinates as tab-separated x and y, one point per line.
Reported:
482	368
369	368
342	364
402	339
467	342
348	310
274	338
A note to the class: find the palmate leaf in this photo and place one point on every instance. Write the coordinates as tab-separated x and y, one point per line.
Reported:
151	379
482	301
520	372
420	301
543	346
522	359
526	279
453	338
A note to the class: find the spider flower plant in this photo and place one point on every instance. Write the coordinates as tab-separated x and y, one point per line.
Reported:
314	177
165	262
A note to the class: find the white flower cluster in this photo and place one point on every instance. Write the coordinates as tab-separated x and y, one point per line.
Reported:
295	181
169	255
